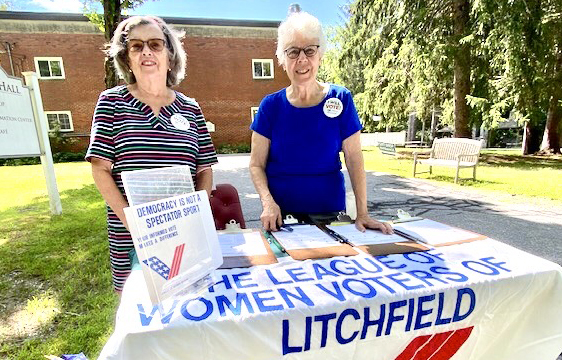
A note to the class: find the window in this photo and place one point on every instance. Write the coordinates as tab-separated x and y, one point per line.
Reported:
59	120
262	68
253	112
49	67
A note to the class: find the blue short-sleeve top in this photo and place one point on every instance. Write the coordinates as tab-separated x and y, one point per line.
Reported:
303	166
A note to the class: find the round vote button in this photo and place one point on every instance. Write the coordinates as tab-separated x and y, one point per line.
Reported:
333	107
180	122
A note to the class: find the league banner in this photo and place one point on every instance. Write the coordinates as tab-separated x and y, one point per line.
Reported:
477	300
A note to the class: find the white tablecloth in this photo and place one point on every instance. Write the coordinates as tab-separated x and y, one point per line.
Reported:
479	300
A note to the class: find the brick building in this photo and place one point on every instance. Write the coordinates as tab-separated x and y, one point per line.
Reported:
231	66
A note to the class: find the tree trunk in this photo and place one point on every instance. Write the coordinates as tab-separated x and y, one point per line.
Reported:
531	140
551	137
111	17
461	15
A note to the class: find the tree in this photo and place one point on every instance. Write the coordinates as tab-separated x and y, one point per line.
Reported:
415	56
525	39
481	62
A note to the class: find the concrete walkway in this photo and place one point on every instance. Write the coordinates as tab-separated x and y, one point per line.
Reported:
535	227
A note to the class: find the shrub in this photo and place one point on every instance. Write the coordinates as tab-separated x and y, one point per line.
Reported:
233	148
59	157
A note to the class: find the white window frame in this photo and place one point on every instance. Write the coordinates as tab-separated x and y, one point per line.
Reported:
269	61
59	59
253	111
58	113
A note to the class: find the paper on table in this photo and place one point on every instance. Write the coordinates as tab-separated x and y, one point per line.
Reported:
242	244
433	232
305	237
369	237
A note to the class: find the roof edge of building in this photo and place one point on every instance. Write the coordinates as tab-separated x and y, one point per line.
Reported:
48	16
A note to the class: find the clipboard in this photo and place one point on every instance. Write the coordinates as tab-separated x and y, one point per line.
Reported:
470	235
399	247
230	262
341	249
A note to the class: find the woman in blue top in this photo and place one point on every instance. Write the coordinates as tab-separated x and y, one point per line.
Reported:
298	133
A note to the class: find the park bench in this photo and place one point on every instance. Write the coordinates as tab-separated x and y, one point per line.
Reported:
387	148
452	152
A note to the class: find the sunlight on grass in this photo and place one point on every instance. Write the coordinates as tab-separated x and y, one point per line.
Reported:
27	182
38	311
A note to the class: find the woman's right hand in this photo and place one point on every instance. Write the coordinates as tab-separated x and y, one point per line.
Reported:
271	215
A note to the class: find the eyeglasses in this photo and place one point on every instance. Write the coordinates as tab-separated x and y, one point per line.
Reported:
309	51
136	45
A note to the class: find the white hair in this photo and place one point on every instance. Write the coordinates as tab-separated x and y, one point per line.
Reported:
299	22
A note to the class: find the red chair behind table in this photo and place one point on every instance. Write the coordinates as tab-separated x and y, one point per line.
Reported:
225	205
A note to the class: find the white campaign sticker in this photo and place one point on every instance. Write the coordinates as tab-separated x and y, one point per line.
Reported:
180	122
333	107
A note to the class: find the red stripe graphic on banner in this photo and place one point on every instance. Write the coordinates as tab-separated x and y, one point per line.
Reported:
432	345
176	262
452	345
441	346
412	347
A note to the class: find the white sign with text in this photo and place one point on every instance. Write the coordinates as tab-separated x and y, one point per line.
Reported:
176	243
18	135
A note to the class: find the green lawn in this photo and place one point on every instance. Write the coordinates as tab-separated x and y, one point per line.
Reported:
504	171
55	284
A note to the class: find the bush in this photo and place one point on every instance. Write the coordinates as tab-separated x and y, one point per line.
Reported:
233	148
20	161
59	157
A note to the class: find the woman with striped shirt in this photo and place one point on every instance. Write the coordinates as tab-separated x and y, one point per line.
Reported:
144	124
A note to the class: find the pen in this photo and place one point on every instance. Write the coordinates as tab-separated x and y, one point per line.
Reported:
286	228
338	237
273	240
408	236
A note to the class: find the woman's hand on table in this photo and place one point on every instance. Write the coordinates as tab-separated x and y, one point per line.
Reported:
271	215
363	222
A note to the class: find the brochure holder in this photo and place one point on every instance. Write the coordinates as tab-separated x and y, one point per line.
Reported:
173	232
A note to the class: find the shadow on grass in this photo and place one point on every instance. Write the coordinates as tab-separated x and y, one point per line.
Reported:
464	180
522	162
64	255
503	160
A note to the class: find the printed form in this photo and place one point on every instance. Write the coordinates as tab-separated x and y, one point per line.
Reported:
242	244
433	232
369	237
305	237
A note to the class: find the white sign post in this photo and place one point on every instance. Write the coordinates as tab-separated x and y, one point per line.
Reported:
23	128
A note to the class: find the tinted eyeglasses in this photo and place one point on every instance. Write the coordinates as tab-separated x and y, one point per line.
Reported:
294	52
136	45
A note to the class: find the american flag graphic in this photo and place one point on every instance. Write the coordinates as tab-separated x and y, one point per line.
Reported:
162	269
